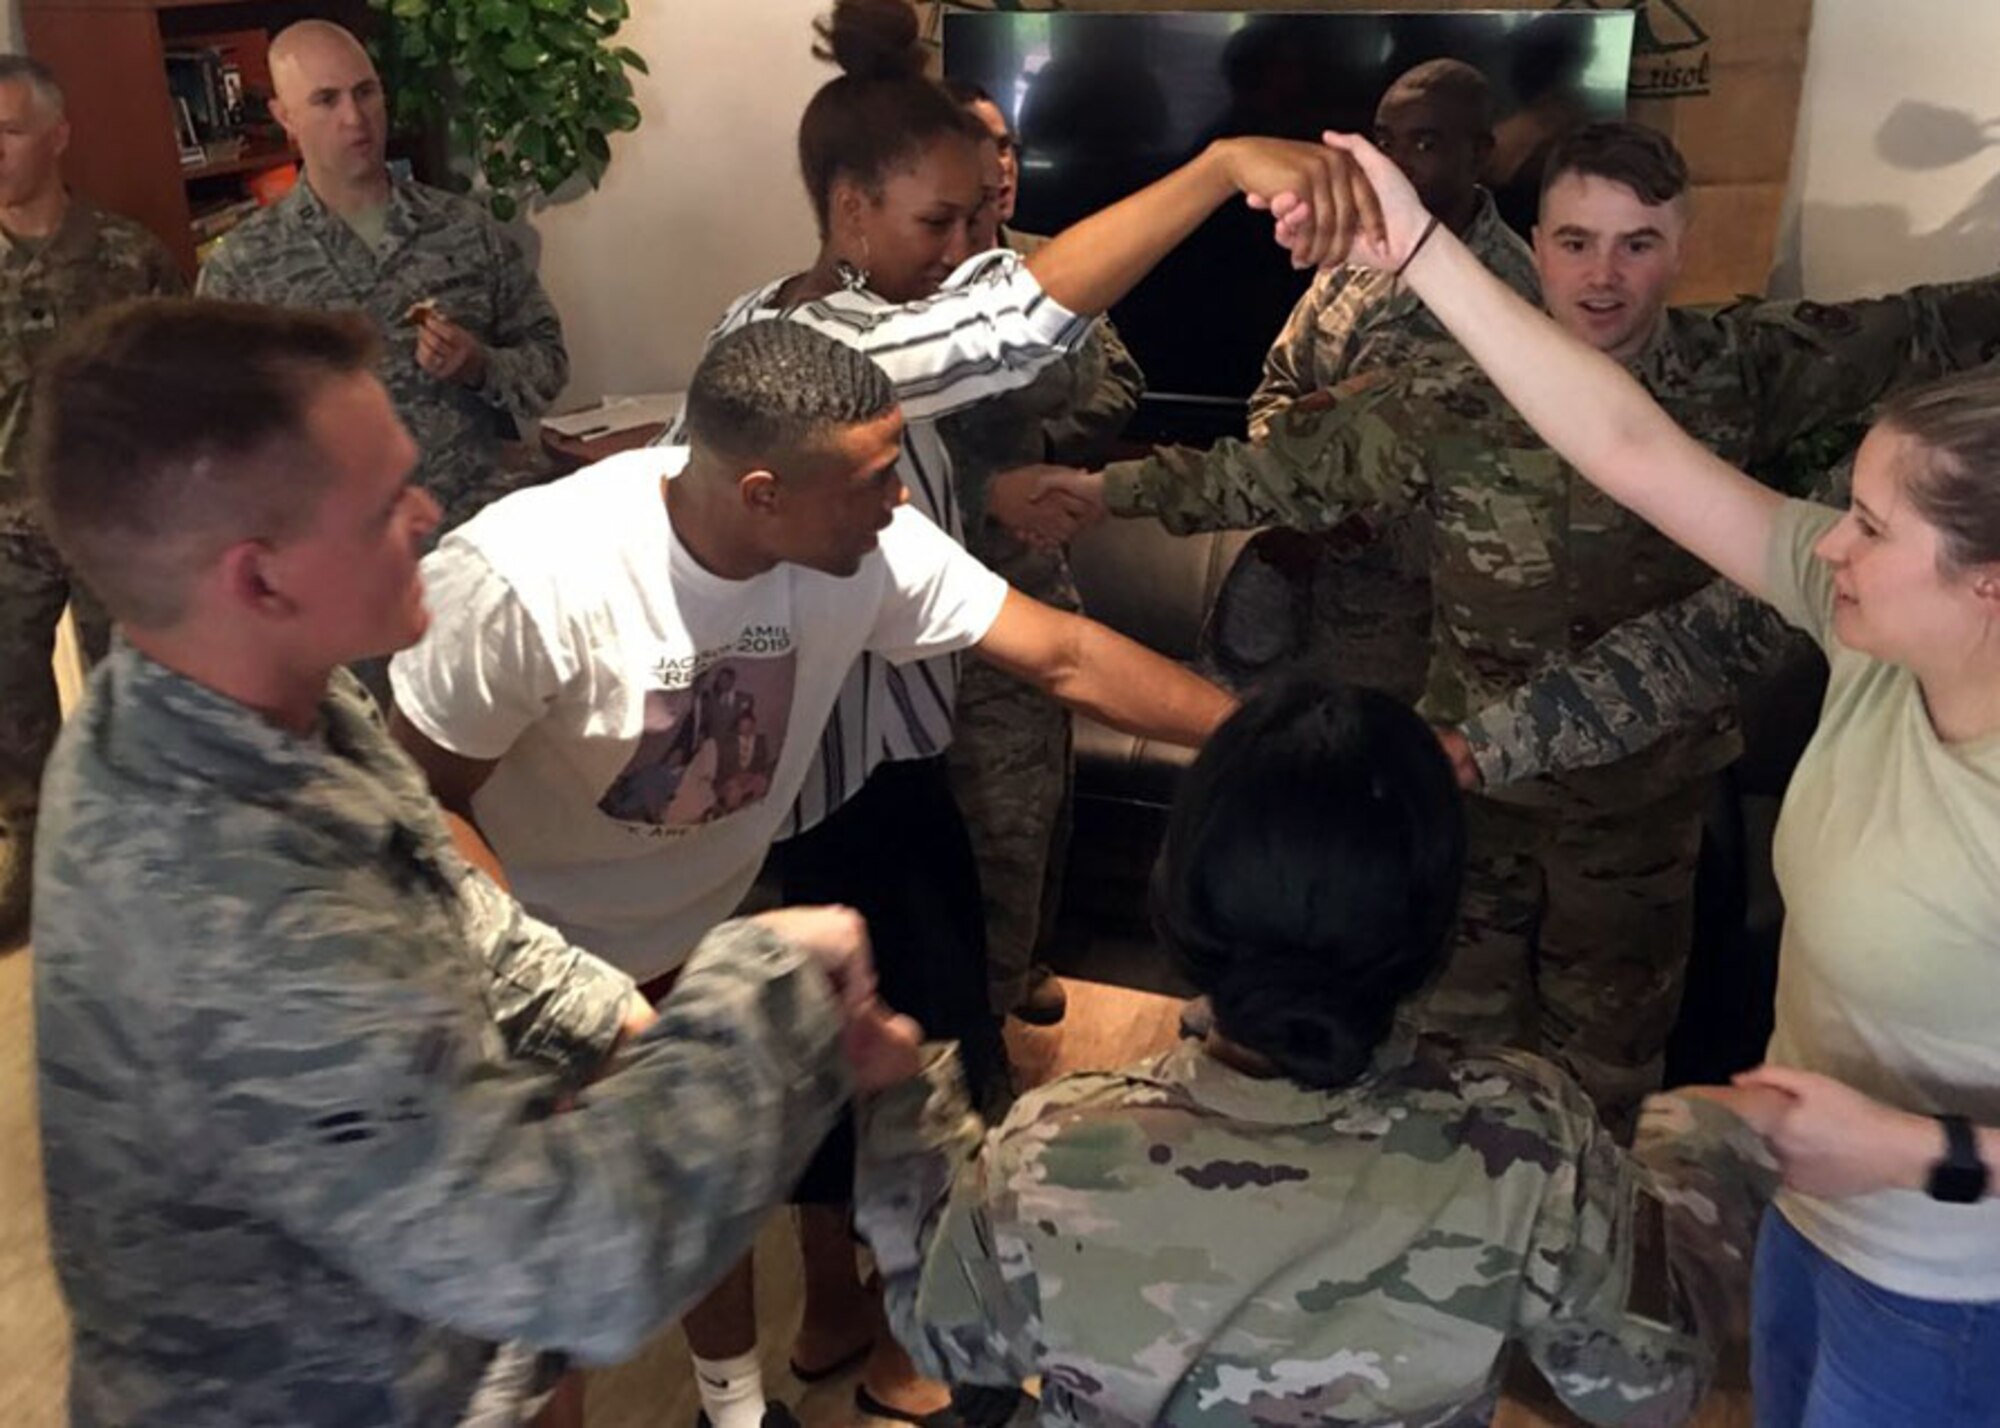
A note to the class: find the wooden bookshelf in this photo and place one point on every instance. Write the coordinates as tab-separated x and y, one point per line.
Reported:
110	57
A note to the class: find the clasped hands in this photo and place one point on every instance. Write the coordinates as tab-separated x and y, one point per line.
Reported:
1045	505
1829	1139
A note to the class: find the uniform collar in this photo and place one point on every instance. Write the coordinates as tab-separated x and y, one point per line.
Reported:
1488	229
77	231
179	737
1275	1101
401	223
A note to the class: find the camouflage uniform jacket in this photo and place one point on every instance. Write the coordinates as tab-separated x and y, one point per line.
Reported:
438	246
92	260
302	1166
1353	320
1529	561
1644	680
1183	1244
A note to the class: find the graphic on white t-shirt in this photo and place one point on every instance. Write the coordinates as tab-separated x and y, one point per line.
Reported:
714	729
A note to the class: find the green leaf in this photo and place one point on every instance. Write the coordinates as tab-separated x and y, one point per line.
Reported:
503	17
503	205
407	9
521	56
632	58
617	10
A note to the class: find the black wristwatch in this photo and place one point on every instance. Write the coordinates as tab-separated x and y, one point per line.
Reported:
1960	1177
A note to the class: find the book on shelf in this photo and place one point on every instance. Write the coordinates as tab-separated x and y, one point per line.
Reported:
195	79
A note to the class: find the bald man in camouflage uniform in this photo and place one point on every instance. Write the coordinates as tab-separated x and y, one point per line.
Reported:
472	344
60	258
1578	906
1362	610
1010	759
1185	1244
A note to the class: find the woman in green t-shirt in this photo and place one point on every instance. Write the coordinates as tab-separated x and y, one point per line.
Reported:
1877	1298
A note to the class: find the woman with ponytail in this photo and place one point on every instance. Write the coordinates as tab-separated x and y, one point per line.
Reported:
892	171
1311	1216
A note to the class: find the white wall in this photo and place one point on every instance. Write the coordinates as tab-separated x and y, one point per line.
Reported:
1896	177
701	202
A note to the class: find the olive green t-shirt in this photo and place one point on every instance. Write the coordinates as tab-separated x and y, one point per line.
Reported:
1888	855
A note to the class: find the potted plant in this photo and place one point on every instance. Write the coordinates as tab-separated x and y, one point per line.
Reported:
529	92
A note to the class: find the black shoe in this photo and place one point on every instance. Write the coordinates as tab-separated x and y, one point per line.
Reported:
1045	1003
776	1415
867	1403
983	1406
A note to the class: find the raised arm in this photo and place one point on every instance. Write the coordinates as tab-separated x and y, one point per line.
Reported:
1093	263
1584	404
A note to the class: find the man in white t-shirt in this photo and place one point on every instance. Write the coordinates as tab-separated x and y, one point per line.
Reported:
583	628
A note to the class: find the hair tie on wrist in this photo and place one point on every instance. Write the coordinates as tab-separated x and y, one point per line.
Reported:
1422	238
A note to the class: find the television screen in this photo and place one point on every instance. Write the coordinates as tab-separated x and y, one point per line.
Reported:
1106	102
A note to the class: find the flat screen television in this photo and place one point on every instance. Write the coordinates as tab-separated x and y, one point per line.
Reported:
1106	102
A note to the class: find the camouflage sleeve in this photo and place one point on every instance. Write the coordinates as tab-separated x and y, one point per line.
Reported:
921	1201
1641	1264
372	1132
1636	685
526	362
1106	385
553	1002
1313	471
1643	679
1288	366
1810	364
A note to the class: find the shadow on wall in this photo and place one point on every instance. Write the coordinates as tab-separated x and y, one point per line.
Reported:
1920	138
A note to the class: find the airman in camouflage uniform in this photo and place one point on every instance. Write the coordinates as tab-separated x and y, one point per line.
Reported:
433	248
90	260
301	1067
1578	908
299	1071
1362	611
1181	1243
1010	755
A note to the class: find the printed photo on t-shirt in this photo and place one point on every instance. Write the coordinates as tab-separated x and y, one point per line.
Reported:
710	746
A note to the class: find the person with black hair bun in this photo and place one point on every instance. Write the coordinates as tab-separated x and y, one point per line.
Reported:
1312	1216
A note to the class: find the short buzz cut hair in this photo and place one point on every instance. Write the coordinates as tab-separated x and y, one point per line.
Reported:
1641	158
774	391
167	429
25	69
1454	85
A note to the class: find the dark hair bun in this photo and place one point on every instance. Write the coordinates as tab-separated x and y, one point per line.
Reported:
871	39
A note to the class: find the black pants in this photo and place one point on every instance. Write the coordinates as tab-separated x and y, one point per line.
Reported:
898	854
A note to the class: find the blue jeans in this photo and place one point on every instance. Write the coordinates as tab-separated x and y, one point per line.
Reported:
1831	1350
